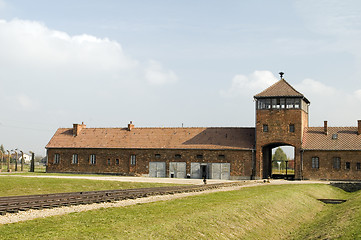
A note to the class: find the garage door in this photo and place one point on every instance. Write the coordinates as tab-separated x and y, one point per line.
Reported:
220	171
157	169
178	169
195	170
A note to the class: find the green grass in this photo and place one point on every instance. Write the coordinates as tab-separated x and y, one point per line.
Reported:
265	212
26	168
17	185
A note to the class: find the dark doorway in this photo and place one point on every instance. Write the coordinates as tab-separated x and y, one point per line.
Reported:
204	172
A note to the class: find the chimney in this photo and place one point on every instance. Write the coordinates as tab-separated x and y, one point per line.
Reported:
130	126
325	127
359	127
77	128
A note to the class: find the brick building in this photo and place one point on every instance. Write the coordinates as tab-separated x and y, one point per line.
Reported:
217	152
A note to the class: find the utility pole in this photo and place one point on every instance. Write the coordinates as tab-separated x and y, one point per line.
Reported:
16	159
32	165
22	161
8	162
1	160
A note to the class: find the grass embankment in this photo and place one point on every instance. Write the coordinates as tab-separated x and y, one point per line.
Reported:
266	212
14	186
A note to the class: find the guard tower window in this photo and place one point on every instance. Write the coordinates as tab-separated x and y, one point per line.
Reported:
283	102
297	103
290	102
177	156
276	104
265	128
358	166
157	155
292	128
200	156
347	165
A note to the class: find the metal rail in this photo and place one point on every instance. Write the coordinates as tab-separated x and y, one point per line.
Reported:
13	204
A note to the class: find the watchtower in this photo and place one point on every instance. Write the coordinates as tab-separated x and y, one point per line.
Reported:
281	116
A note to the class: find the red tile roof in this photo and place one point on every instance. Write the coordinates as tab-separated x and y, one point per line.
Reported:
280	89
155	138
347	139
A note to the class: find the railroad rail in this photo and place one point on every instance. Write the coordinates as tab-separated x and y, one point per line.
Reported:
13	204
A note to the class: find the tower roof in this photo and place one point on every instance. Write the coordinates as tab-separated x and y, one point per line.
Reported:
280	89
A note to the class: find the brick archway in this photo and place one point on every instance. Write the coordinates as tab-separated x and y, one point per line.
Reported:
267	157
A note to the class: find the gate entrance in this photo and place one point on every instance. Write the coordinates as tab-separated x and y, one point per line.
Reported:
278	161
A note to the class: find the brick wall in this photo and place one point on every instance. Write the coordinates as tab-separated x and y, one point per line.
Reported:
278	122
240	160
326	169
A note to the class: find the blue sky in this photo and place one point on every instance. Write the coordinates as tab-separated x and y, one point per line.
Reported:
168	63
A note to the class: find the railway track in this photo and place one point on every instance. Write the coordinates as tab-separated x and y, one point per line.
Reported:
15	204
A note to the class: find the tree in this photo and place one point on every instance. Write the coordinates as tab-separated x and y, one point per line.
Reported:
2	148
279	155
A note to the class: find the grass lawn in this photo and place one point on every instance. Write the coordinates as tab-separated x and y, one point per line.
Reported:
265	212
17	185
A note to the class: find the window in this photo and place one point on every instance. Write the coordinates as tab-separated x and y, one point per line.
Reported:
336	163
347	165
334	136
74	160
117	161
315	163
290	102
200	156
132	159
358	166
265	128
292	128
297	103
92	159
56	158
108	161
282	102
221	156
157	155
177	156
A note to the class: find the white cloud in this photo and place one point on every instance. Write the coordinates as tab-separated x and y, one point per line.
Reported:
357	94
249	85
31	43
156	75
45	55
25	102
315	88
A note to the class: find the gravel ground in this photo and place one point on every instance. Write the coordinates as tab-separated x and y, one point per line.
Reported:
128	179
33	214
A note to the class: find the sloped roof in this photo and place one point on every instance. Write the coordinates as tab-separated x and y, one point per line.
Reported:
347	139
155	138
280	89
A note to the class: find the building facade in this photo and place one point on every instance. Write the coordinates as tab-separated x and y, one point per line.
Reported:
332	153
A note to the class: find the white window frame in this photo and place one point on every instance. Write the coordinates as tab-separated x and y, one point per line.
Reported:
133	159
74	159
315	162
56	158
92	159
